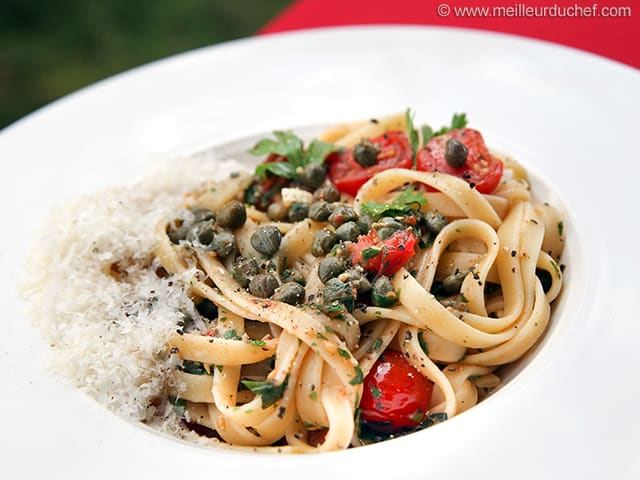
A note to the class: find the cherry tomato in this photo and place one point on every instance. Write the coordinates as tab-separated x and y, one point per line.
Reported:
348	175
481	168
393	253
396	396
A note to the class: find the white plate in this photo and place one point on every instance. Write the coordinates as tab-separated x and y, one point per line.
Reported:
569	116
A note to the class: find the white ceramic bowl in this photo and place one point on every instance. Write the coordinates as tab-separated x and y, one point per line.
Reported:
568	411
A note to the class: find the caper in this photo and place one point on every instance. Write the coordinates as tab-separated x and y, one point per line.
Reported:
357	279
263	285
434	221
330	267
233	215
382	293
336	291
323	242
328	193
313	176
244	269
266	240
348	231
202	214
452	283
298	211
365	221
291	292
455	153
201	234
366	153
176	235
292	275
224	243
387	226
319	211
207	309
342	214
277	212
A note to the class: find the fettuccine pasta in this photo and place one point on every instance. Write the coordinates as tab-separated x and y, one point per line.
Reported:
309	276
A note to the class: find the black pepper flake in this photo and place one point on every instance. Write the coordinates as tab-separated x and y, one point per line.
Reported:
408	336
174	350
513	253
472	185
374	120
513	269
281	412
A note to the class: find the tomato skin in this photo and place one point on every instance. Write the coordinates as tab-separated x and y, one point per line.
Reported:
396	396
395	252
481	169
348	175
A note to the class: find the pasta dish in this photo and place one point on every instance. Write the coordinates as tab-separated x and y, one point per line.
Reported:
367	284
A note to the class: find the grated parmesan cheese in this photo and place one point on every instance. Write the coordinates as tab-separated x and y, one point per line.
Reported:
108	336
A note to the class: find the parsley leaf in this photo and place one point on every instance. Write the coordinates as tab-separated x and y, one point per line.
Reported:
317	152
413	134
288	145
281	169
427	133
403	204
459	120
269	392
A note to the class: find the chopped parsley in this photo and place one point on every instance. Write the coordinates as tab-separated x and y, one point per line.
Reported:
423	343
269	391
371	252
231	335
344	353
194	368
375	393
408	201
358	377
368	433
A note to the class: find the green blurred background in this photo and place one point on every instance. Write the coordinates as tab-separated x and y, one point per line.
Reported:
50	48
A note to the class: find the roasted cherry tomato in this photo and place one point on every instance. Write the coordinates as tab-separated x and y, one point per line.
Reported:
396	396
384	257
481	169
348	175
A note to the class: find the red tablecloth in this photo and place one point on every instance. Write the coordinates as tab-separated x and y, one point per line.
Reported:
610	28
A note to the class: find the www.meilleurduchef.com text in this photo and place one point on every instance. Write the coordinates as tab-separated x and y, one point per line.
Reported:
530	11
